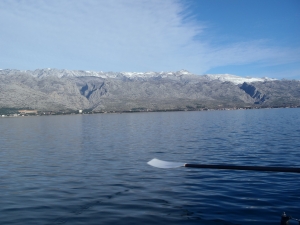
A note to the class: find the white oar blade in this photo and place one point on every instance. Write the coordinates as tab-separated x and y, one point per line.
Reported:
163	164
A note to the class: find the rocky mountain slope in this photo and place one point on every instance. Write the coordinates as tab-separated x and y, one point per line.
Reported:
57	90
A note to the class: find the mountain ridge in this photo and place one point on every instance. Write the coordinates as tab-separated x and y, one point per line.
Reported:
56	90
77	73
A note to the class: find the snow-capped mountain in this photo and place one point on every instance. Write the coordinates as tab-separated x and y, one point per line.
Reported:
53	89
41	73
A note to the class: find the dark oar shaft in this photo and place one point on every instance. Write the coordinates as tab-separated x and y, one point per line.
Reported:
257	168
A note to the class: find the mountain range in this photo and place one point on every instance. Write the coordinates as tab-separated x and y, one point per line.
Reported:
69	90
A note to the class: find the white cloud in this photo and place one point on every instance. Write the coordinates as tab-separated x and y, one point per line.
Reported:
117	35
249	52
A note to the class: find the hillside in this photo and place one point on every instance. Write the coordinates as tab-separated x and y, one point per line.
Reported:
58	90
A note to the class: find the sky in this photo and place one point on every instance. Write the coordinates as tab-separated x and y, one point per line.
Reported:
257	38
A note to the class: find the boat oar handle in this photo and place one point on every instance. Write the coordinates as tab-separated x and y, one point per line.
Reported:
256	168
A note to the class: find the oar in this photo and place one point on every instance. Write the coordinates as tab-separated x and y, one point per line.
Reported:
163	164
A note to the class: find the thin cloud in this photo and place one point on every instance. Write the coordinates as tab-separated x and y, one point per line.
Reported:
249	52
119	35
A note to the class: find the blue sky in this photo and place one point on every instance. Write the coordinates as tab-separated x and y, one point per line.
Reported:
247	38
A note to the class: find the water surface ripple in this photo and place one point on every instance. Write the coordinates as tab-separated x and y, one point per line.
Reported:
91	169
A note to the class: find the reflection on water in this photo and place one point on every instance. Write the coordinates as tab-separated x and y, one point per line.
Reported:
91	169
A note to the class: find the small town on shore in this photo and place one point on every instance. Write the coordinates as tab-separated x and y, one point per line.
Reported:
32	112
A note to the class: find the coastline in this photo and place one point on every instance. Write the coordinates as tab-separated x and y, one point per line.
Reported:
86	112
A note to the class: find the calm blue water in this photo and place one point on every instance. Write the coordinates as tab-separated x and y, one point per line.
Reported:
91	169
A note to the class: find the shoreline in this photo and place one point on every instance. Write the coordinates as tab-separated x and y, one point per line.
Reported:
52	113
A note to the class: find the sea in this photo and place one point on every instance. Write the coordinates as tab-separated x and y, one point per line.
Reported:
92	169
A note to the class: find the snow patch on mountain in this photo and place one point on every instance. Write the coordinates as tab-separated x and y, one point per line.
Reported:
236	79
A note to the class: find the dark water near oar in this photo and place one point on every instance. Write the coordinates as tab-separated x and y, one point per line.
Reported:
91	169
